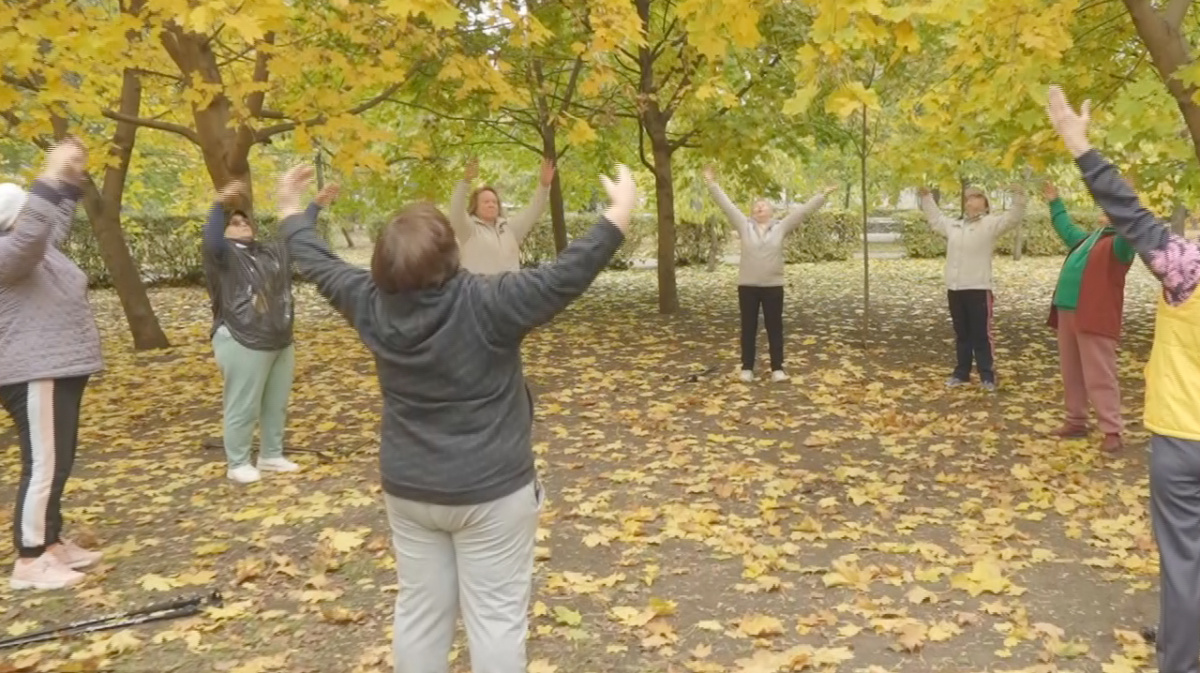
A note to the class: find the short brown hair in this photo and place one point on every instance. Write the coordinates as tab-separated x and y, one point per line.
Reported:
416	250
473	204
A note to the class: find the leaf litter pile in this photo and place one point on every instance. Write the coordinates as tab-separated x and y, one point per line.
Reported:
860	517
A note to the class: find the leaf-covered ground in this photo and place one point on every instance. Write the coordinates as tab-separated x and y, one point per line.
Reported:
858	518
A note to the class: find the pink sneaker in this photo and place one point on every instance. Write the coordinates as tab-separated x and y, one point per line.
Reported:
43	572
75	557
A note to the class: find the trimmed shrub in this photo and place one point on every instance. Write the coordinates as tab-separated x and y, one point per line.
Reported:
538	247
826	236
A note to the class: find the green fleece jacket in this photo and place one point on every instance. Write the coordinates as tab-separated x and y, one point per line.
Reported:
1080	241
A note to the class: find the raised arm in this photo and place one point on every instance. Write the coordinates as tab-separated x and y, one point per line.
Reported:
937	221
802	211
214	243
1174	260
522	223
512	304
49	206
736	217
1013	216
1070	233
343	284
460	219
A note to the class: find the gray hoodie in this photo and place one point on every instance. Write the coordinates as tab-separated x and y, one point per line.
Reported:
457	415
46	326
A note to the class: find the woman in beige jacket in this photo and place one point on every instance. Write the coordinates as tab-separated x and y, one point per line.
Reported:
489	241
970	243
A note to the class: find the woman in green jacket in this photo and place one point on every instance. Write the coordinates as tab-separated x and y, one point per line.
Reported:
1086	311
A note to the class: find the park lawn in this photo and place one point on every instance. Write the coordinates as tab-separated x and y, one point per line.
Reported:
858	518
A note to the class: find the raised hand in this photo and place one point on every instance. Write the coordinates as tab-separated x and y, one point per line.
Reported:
66	161
830	189
1049	191
292	186
1071	125
547	175
922	192
472	170
622	197
328	195
710	174
232	191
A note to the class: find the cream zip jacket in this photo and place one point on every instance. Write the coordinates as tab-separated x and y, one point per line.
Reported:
970	243
491	249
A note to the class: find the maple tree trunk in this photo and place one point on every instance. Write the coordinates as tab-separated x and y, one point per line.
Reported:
103	208
558	212
1160	33
664	198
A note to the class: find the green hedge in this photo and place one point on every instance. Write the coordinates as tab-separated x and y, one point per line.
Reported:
538	247
1040	239
826	236
166	249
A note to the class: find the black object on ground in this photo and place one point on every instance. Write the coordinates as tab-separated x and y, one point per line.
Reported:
1150	634
184	607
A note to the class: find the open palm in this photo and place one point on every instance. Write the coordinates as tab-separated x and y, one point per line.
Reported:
1071	125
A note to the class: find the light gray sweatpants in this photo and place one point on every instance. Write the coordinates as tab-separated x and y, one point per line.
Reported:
1175	514
473	558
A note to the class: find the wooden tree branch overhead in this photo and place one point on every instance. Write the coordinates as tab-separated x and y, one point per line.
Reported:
1162	35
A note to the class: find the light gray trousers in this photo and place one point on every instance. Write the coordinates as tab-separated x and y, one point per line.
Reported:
1175	514
473	558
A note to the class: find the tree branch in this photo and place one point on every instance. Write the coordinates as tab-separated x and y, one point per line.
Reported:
683	139
170	127
262	71
266	134
1175	12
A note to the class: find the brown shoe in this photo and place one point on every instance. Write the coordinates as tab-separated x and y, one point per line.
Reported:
1068	431
1112	443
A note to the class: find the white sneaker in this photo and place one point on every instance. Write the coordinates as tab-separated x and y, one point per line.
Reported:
246	474
45	572
279	464
779	375
747	376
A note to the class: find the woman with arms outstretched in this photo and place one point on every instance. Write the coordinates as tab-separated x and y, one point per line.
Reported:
49	348
490	241
970	243
760	270
456	455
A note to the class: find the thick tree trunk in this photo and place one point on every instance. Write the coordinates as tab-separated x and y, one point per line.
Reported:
664	197
103	208
1161	33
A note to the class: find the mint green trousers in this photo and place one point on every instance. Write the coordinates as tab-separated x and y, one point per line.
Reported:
257	385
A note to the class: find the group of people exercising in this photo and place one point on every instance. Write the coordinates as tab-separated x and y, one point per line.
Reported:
444	307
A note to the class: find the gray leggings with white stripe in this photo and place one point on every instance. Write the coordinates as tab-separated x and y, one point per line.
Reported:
46	414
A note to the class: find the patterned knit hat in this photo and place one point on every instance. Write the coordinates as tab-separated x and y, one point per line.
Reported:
12	197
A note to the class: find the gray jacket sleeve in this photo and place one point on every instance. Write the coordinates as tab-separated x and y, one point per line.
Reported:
47	212
512	304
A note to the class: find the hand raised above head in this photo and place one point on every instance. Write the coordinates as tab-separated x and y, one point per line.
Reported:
622	197
232	191
1049	191
710	173
328	195
292	186
472	170
547	175
66	161
1071	126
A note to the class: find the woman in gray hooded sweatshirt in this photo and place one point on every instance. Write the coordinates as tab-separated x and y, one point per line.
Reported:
456	455
760	269
49	346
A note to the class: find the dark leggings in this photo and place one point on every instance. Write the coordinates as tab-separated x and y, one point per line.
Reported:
771	299
46	414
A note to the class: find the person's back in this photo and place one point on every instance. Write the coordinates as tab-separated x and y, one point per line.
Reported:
457	414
